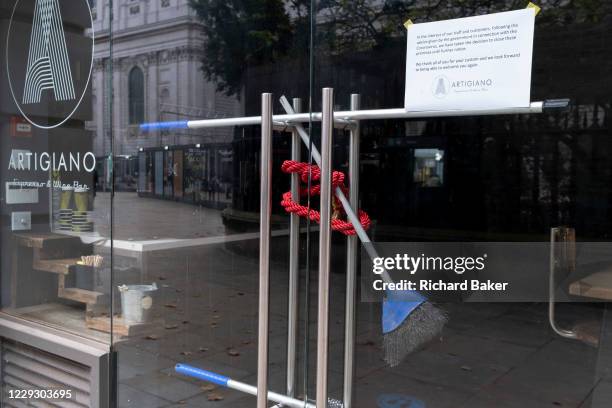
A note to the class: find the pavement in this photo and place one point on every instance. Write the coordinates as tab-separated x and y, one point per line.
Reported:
140	218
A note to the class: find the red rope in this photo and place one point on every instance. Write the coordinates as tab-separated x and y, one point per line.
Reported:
291	206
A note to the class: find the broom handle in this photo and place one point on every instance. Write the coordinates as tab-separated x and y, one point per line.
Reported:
227	382
363	236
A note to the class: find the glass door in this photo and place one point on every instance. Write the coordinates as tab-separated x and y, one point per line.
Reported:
186	198
441	184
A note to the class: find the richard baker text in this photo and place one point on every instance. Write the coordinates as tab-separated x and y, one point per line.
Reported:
429	285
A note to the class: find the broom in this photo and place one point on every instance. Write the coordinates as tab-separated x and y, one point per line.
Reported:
408	320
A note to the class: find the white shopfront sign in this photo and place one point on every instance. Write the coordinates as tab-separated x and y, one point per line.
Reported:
481	62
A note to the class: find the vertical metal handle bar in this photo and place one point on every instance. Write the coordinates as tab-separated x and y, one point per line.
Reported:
351	215
294	263
327	128
352	256
264	249
555	234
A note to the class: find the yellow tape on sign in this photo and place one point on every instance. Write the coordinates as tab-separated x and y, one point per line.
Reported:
535	7
408	23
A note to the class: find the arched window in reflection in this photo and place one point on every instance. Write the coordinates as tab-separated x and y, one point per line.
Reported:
136	96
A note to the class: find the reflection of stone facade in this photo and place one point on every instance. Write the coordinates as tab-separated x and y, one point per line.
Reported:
164	40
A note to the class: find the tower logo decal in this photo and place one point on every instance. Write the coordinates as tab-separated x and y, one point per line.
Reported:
48	64
49	58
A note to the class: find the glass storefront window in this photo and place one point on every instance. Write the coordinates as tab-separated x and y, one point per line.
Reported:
130	206
56	261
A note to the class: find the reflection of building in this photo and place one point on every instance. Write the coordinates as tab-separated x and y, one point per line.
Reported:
156	75
199	174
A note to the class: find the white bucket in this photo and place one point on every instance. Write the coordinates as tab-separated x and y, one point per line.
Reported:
137	302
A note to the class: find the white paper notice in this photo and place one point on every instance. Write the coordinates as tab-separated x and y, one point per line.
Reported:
481	62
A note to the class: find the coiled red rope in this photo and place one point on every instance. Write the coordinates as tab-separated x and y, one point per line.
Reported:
291	206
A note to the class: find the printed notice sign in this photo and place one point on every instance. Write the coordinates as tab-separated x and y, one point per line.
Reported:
481	62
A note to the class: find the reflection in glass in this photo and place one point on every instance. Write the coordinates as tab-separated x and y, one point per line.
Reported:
136	96
429	167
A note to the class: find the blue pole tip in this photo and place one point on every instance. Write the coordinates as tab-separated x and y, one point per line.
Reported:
203	375
180	124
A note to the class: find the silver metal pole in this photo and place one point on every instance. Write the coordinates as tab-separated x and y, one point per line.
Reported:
371	114
264	250
327	128
284	400
352	256
294	263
